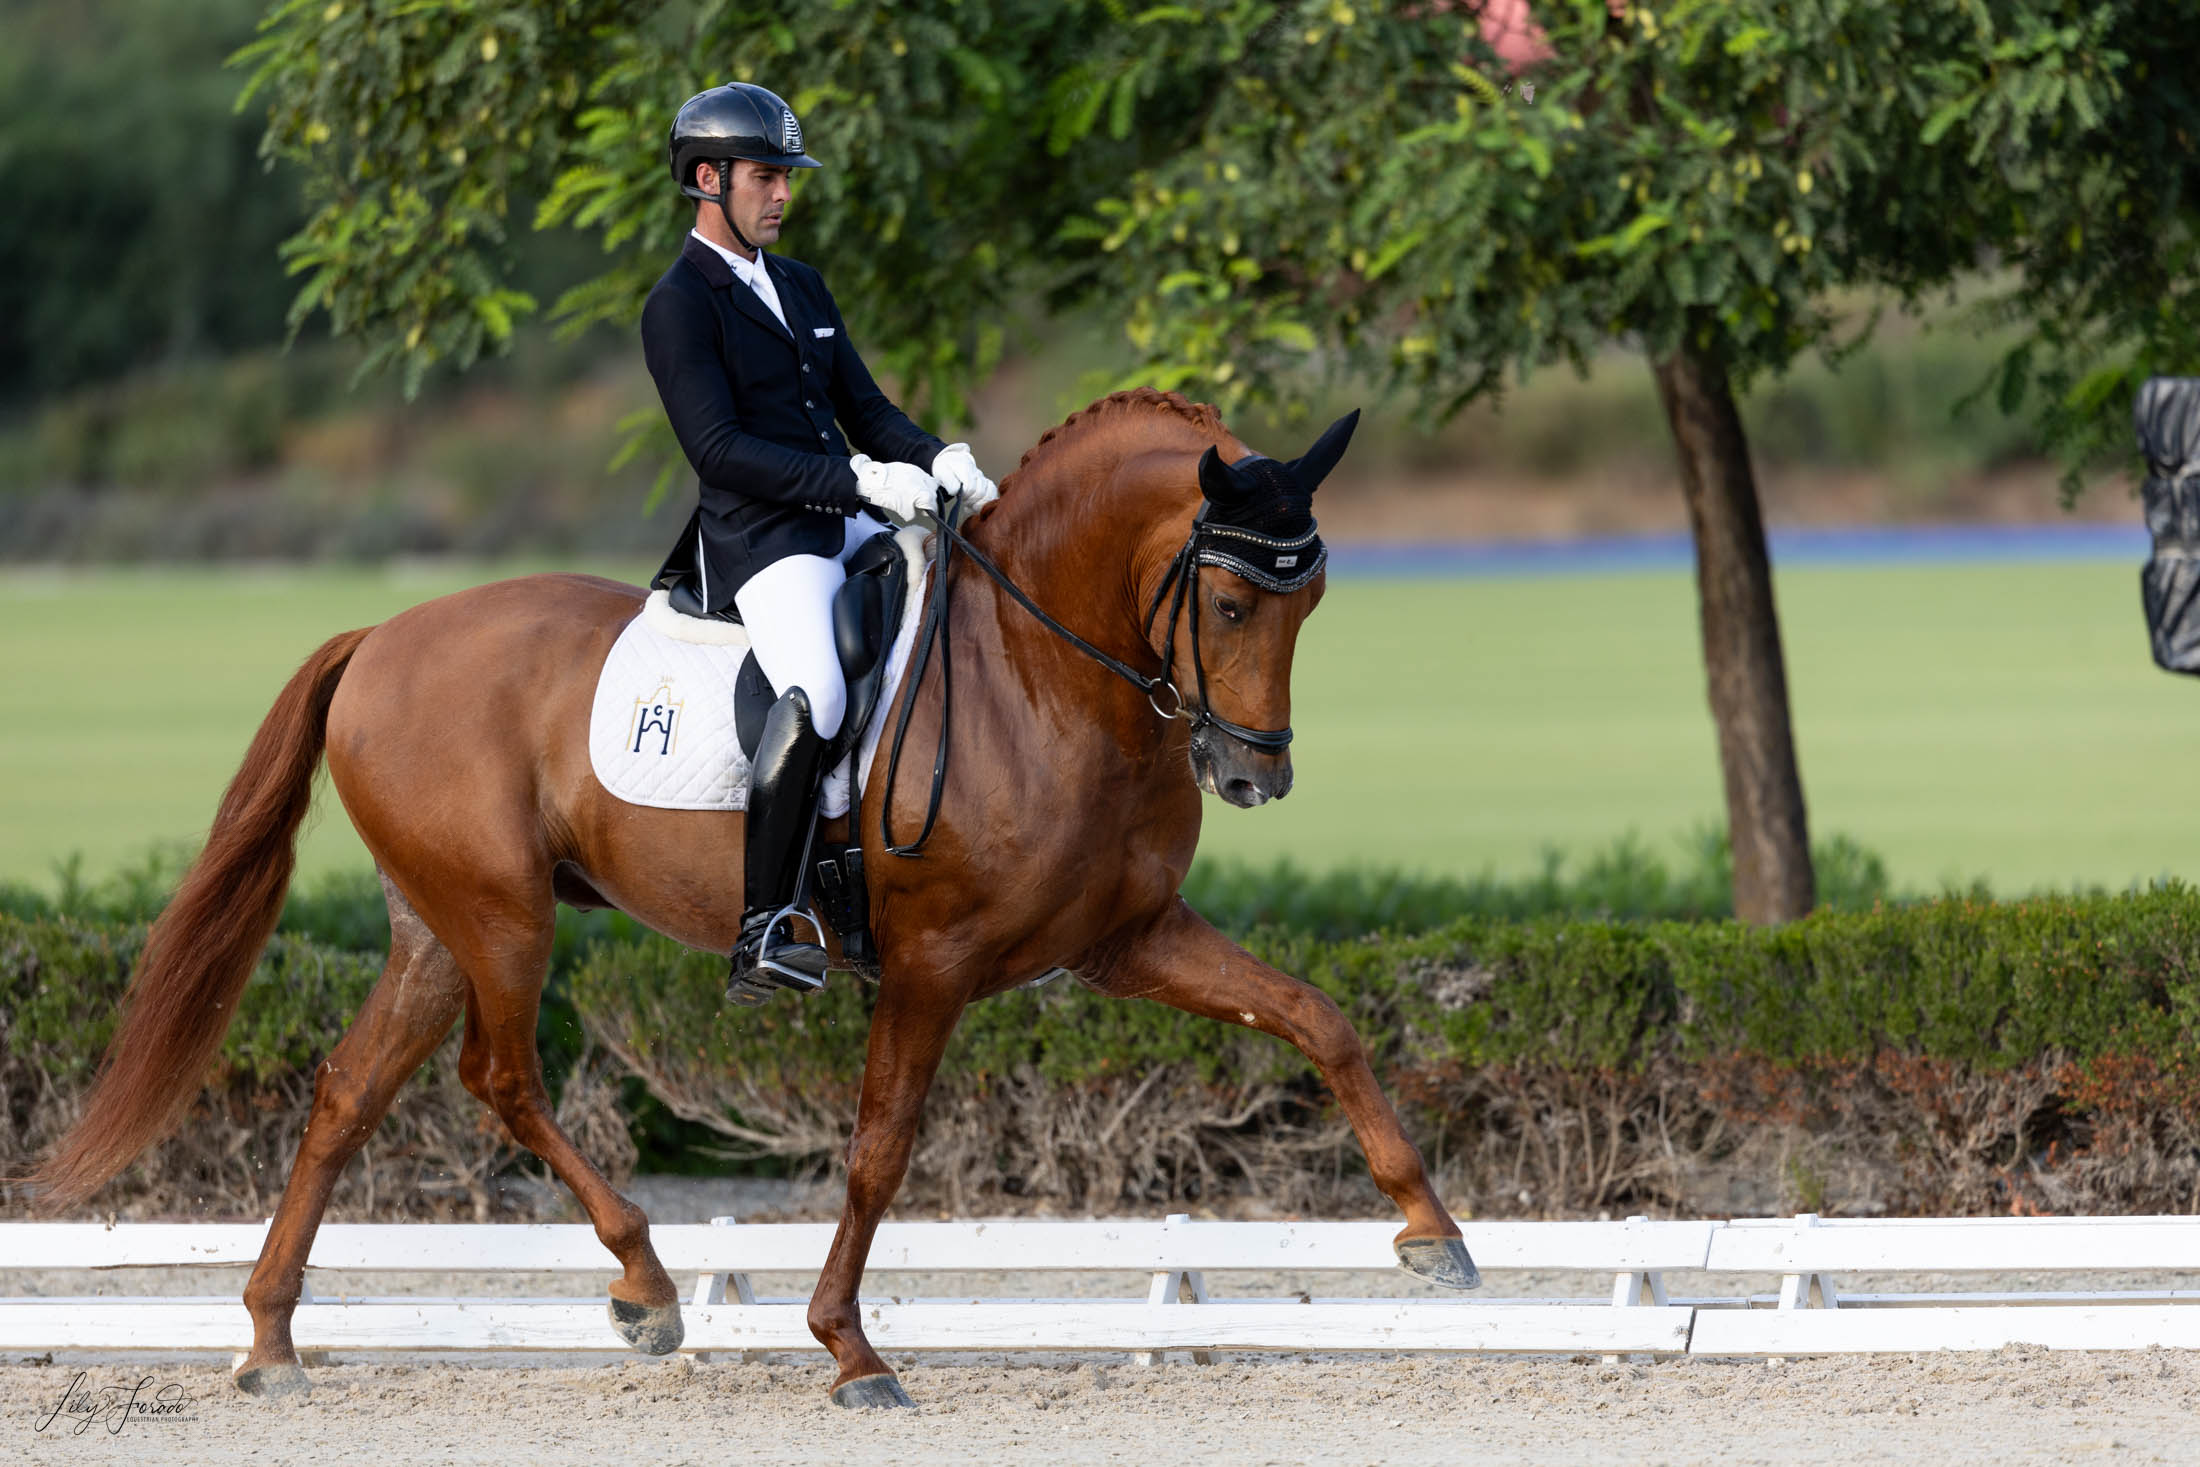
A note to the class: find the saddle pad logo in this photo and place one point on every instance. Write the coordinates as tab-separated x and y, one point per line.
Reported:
655	728
790	132
1285	562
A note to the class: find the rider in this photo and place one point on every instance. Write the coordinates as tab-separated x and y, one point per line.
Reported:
757	374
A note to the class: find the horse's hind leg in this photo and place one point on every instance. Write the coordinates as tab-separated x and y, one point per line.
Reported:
505	962
399	1026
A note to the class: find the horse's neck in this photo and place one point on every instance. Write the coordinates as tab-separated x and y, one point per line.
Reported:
1076	539
1080	541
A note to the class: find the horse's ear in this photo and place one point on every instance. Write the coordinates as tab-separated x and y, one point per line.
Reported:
1314	465
1216	481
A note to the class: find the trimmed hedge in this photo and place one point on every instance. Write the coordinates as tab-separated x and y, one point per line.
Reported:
439	1153
1625	880
1843	1018
1955	1055
1980	983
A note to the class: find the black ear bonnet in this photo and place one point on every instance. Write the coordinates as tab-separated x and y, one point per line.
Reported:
1258	520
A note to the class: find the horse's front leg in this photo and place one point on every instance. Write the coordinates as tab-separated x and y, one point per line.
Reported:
1183	962
909	1032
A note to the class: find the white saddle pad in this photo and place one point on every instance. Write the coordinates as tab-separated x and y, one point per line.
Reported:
661	731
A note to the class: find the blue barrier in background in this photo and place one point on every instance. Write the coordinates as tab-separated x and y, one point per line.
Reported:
1876	545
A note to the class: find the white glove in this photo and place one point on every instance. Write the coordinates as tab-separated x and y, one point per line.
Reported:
899	489
959	474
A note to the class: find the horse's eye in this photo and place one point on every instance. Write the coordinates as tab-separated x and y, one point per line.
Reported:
1228	609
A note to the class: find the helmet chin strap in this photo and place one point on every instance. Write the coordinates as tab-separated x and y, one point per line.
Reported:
725	188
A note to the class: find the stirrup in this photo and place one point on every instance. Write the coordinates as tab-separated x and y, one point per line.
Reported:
761	967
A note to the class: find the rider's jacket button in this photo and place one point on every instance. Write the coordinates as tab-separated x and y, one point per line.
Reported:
807	403
823	434
805	366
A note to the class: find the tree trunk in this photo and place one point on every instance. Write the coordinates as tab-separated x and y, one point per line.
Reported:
1746	674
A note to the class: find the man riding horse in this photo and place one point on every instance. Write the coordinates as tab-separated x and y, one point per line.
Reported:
1125	642
759	378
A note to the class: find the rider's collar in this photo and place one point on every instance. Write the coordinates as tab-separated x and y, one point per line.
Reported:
743	270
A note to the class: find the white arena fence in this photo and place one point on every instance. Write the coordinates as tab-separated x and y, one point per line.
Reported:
1624	1263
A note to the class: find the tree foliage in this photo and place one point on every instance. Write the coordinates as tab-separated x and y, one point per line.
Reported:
2103	168
423	125
1711	174
1257	190
138	224
419	126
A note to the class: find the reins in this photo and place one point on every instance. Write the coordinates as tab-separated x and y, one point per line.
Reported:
1183	574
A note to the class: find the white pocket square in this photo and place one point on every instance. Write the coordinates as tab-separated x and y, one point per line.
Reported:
821	331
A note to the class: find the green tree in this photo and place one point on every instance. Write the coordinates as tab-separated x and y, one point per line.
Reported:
1695	180
424	126
1265	193
2098	233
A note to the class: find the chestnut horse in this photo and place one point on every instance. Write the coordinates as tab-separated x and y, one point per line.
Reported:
456	736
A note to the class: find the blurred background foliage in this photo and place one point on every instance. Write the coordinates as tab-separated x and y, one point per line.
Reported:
263	452
140	225
148	409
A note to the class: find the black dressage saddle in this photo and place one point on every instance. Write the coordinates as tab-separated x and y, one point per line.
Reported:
867	616
867	612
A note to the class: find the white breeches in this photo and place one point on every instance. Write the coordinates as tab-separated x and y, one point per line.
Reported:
788	608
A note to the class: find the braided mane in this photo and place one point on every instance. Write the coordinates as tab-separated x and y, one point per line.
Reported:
1115	405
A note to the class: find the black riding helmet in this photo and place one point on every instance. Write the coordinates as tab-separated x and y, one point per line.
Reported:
737	120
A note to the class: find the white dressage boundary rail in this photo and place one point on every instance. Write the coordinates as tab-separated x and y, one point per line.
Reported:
1625	1262
1811	1316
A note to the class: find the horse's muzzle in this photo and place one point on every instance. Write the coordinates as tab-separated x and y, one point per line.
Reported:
1224	766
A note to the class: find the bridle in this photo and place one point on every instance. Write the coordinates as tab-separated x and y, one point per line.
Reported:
1206	545
1209	543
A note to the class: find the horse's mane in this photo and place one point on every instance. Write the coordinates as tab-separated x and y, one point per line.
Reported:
1116	405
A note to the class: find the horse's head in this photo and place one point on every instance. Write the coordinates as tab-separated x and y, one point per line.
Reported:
1247	579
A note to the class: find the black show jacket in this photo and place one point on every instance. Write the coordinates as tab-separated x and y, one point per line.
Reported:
758	409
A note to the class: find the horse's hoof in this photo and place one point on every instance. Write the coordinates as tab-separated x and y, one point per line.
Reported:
1440	1261
273	1381
866	1392
653	1331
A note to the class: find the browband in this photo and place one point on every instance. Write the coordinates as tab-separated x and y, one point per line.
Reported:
1272	565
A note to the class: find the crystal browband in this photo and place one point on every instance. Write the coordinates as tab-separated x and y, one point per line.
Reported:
1271	564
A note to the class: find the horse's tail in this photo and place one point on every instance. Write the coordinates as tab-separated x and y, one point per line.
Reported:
205	945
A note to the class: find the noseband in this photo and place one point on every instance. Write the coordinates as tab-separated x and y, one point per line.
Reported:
1258	558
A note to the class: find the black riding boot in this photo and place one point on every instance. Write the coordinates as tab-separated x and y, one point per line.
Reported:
783	787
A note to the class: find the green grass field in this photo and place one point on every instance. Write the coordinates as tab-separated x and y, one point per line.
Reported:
1999	721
